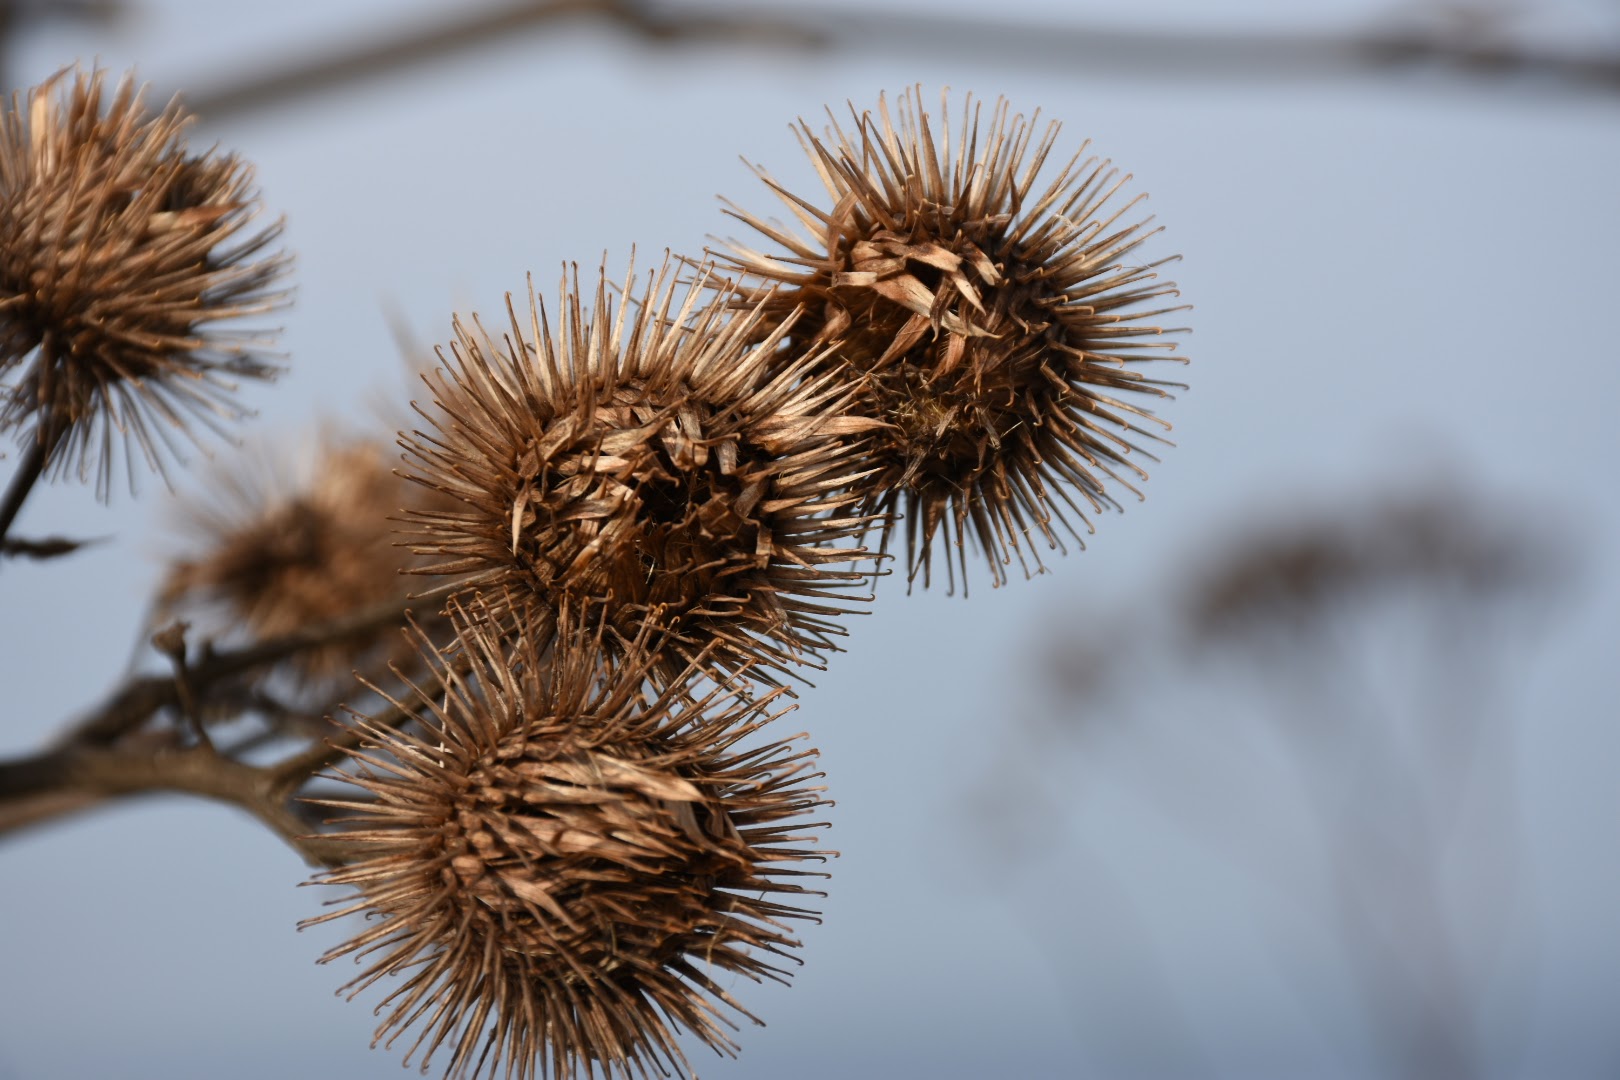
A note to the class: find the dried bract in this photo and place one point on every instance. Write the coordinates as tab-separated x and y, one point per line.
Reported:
275	547
990	321
119	252
657	464
561	867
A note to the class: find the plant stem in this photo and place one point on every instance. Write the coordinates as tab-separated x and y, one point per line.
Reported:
60	781
133	703
22	483
107	755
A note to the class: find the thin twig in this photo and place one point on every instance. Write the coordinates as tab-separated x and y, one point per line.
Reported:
46	547
102	757
300	767
322	70
1073	48
171	641
140	698
23	480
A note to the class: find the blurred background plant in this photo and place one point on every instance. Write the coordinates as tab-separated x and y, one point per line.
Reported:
1397	227
1359	775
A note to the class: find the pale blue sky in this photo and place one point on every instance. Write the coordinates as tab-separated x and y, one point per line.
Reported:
1390	279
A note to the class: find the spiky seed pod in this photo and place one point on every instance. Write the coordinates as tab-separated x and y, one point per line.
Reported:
277	545
652	462
560	866
119	252
990	321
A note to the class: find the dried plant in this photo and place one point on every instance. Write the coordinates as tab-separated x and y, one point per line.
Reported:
561	812
661	464
119	251
1281	581
559	863
272	547
990	322
1369	653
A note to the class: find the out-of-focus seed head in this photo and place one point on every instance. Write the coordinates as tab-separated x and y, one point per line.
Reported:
653	462
277	544
120	252
564	869
990	320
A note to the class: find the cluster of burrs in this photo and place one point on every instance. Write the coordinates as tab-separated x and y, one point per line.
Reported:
639	511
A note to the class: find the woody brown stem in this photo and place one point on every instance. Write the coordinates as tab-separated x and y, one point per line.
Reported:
139	699
66	779
23	480
50	431
105	756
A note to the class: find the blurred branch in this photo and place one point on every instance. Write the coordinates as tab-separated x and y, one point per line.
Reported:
71	778
22	482
431	41
1455	47
90	11
140	698
108	753
18	15
49	547
1171	54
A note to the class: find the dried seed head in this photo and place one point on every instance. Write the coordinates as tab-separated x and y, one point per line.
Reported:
560	867
119	250
275	547
989	321
649	464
